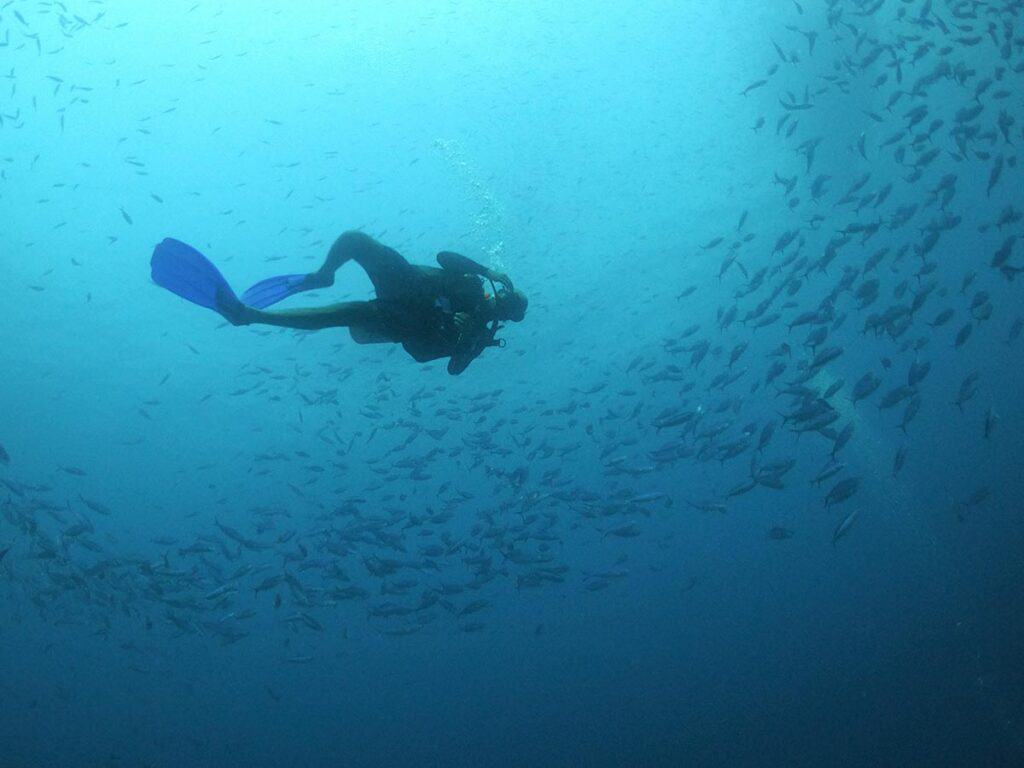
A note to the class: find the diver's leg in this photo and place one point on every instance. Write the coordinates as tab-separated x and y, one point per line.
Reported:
389	272
382	264
343	315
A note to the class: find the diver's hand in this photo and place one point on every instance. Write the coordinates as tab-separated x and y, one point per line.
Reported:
461	320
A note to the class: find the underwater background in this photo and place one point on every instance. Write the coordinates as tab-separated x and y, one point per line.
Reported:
744	488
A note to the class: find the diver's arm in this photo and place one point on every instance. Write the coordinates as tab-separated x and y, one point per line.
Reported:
456	262
339	315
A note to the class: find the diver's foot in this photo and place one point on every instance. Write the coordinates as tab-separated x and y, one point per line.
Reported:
234	311
318	279
238	317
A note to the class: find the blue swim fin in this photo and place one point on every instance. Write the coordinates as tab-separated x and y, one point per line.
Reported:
183	270
274	289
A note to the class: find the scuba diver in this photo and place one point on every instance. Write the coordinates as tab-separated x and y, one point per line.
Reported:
432	312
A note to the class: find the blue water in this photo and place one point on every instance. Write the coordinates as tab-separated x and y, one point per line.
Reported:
262	547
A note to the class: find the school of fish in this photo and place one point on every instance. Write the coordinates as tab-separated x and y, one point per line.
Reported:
854	253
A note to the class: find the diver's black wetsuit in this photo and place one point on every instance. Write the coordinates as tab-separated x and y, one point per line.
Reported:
432	312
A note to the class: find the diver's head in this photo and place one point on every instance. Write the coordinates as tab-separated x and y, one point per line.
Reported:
510	305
